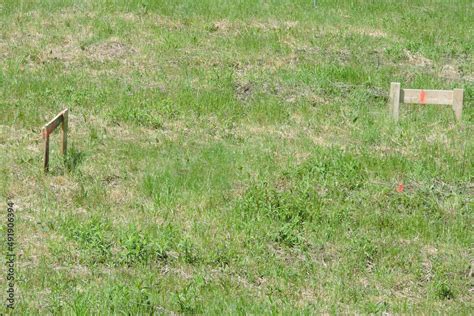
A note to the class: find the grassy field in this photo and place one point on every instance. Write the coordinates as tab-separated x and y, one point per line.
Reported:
232	157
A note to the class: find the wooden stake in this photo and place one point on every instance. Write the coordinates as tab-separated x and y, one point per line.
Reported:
454	98
394	102
457	103
61	118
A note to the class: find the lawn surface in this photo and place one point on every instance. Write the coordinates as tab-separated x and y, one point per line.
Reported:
231	157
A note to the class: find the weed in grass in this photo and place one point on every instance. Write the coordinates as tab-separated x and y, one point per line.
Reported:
141	248
187	299
188	252
443	291
289	234
93	236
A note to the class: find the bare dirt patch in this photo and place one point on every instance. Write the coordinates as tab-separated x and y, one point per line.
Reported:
227	26
273	25
376	33
450	72
243	91
109	50
417	59
67	52
222	26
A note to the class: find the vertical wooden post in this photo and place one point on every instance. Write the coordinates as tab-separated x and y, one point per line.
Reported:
64	133
457	103
394	100
46	149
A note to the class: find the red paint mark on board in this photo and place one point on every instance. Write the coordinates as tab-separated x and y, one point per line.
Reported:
422	97
400	187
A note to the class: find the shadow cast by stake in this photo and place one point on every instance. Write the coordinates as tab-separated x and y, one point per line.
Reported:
73	159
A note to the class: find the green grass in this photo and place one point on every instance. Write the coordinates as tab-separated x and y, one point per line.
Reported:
231	157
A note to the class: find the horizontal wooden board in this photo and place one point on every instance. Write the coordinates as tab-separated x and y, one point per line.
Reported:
420	96
49	127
